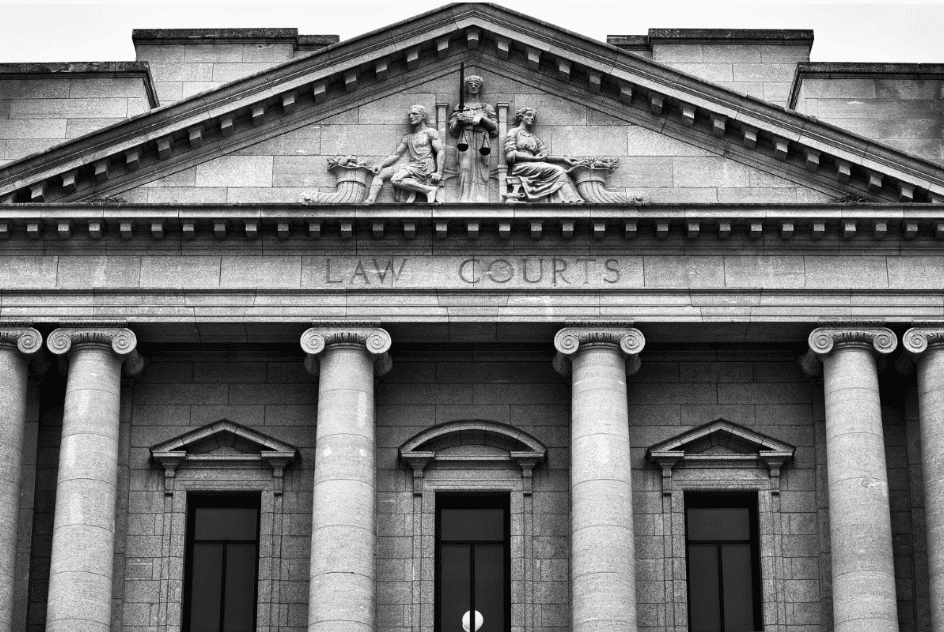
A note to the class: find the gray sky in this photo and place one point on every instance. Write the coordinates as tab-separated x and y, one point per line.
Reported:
844	32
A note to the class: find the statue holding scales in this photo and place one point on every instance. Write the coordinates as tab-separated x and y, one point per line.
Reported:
473	123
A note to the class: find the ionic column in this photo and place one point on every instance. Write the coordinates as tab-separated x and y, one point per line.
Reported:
341	588
80	573
601	517
927	343
859	519
16	345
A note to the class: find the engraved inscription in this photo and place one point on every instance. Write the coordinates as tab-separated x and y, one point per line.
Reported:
543	271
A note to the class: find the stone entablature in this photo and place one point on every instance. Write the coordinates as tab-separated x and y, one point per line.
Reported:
303	91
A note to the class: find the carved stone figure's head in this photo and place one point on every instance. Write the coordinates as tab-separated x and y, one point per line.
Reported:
417	114
526	114
473	84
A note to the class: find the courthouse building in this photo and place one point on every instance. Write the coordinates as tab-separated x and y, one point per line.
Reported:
471	323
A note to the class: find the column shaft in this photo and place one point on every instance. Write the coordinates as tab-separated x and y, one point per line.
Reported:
80	572
928	344
860	524
603	556
13	379
341	588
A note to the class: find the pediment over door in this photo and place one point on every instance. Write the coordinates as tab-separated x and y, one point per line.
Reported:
721	443
350	99
223	444
472	443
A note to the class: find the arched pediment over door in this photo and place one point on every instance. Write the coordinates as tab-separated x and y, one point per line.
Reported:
472	442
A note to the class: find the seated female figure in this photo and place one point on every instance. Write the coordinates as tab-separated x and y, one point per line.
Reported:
527	155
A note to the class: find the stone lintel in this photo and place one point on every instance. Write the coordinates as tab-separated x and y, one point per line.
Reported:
624	336
376	342
122	341
828	338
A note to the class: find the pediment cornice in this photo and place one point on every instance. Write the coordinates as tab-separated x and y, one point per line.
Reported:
308	88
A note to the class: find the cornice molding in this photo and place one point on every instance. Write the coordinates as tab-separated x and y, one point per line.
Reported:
622	336
374	340
298	87
122	341
694	221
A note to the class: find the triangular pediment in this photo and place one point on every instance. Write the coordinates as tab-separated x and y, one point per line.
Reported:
221	440
617	86
720	440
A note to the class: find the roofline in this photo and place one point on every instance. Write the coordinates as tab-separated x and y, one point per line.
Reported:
732	36
859	70
233	36
622	66
134	69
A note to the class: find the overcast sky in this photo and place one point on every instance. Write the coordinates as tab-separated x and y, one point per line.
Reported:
844	32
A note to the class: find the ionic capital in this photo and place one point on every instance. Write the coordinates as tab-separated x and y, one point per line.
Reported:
122	341
922	337
374	340
825	340
622	336
27	340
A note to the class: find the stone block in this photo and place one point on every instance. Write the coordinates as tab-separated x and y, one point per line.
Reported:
116	108
643	172
30	128
225	72
235	171
709	172
182	195
80	126
392	110
830	272
764	271
252	272
98	271
45	88
714	72
301	171
191	88
266	52
839	87
671	53
680	272
779	73
645	142
180	272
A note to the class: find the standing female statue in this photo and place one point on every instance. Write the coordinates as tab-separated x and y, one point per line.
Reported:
473	125
529	160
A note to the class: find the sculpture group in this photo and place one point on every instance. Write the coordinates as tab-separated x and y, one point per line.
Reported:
531	174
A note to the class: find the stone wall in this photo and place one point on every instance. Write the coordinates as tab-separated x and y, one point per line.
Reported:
42	105
186	62
899	105
756	62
